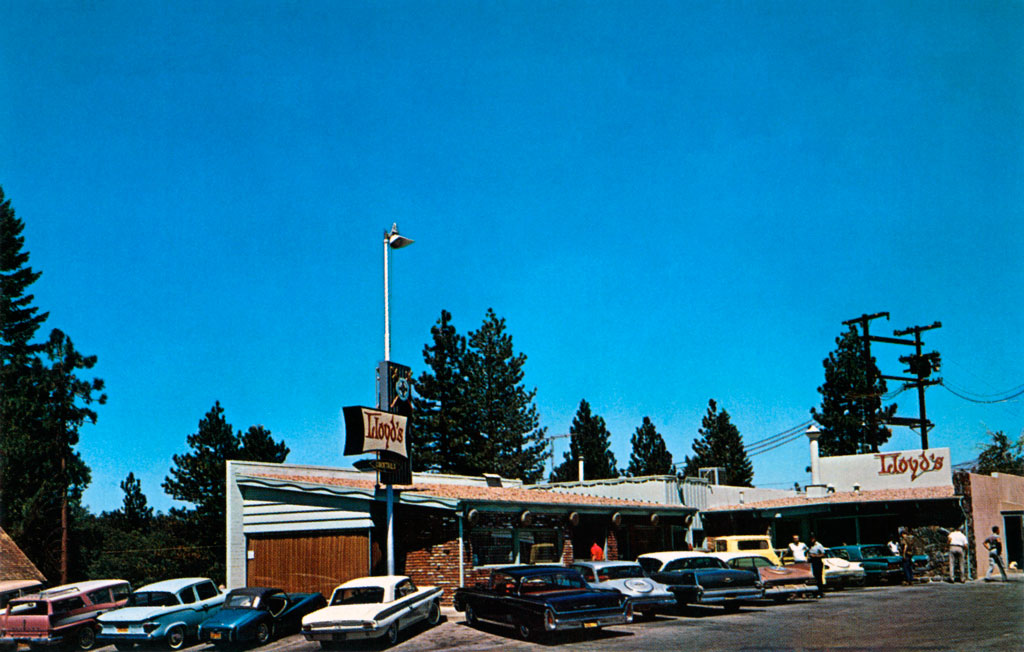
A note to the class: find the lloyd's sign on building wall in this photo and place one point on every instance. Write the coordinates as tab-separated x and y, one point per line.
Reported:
888	470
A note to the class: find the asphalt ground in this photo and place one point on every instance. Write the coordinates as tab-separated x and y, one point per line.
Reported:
931	616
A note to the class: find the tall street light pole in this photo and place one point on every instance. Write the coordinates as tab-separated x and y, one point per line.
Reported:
392	240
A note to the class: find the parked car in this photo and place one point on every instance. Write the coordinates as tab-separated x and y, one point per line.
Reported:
699	578
627	577
780	582
10	589
61	616
841	572
539	599
372	607
166	613
256	615
751	544
878	561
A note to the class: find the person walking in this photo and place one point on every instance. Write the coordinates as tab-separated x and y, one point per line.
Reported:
995	550
798	548
907	552
816	553
957	547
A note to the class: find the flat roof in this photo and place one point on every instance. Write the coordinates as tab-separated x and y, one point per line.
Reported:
844	497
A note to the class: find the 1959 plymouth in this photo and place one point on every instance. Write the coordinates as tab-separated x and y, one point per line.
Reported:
255	615
372	607
537	599
628	578
166	613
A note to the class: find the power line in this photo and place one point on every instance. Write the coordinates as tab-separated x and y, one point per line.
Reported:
1004	399
1002	394
785	433
782	443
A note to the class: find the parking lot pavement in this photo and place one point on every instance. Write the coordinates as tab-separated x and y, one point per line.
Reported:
934	616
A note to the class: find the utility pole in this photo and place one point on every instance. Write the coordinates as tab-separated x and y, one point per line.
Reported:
864	321
921	365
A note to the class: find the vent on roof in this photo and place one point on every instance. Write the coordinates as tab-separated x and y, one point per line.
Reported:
493	479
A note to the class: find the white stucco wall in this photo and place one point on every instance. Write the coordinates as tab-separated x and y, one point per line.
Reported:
888	470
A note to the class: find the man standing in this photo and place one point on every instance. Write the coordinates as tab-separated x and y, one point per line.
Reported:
957	546
596	553
907	552
798	548
995	550
817	555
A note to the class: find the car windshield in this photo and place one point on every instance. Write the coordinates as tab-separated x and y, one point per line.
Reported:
619	572
152	599
358	595
872	552
839	554
551	582
242	601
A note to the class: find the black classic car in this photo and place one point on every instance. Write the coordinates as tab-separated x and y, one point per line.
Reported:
538	599
255	615
699	578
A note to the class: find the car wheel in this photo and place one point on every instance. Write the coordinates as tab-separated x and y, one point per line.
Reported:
176	637
525	631
471	618
391	635
262	634
85	638
434	613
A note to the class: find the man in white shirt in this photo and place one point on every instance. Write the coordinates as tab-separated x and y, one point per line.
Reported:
817	554
798	548
957	546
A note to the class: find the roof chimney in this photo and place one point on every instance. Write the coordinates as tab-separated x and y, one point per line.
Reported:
812	434
581	467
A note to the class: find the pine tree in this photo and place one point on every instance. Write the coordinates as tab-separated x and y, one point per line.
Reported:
501	414
1001	456
135	514
438	439
650	456
589	439
198	478
852	418
720	444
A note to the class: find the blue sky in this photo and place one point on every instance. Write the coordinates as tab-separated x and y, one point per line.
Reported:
667	201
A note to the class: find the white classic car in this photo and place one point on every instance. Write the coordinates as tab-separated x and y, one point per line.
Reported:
166	613
628	578
372	607
840	571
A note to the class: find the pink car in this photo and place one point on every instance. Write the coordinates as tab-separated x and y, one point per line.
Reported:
64	615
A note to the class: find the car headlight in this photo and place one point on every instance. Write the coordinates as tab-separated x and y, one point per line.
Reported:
149	628
369	624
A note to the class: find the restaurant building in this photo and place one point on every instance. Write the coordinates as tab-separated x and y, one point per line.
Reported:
309	528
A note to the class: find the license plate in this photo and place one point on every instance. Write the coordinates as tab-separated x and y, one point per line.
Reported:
122	630
589	625
215	636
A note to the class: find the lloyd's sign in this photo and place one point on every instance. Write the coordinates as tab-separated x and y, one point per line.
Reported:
891	470
368	430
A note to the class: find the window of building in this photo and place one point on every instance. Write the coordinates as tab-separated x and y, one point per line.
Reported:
516	546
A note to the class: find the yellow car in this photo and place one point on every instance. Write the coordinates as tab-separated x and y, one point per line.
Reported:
751	544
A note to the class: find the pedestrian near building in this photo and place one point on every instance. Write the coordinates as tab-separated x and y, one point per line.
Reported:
907	552
816	553
995	550
957	547
798	548
596	552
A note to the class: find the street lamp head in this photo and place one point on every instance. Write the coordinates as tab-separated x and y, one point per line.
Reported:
396	241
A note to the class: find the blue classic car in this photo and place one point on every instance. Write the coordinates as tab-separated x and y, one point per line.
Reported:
628	578
255	615
539	599
878	561
699	578
166	613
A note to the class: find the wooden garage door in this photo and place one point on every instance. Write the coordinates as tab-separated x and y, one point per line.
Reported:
302	562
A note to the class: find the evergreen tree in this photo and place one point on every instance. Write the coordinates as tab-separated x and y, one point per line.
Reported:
198	478
590	439
650	456
1002	456
720	444
501	414
852	418
135	514
438	440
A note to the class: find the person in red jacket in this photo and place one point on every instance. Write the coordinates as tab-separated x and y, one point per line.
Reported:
596	553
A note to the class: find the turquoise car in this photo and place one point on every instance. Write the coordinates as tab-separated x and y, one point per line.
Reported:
878	561
166	614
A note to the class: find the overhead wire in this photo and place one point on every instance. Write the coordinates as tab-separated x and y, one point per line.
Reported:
1005	399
